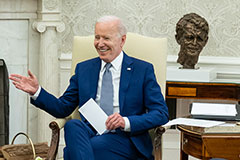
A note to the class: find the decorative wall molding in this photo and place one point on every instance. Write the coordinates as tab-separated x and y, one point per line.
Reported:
51	4
172	60
18	15
41	26
49	10
226	68
20	9
211	60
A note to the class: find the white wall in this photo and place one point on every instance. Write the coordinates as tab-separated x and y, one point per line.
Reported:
19	49
14	50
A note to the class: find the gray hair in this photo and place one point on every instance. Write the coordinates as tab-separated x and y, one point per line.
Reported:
121	27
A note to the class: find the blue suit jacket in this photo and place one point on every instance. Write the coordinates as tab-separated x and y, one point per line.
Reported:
140	97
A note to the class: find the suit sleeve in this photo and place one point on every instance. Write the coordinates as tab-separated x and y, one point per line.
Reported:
62	106
154	103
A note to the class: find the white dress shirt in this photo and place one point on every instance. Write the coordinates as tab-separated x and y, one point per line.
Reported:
116	72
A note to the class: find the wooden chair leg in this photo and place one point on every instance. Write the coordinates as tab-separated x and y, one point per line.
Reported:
158	142
52	152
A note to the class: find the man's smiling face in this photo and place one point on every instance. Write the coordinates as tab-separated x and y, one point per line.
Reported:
108	41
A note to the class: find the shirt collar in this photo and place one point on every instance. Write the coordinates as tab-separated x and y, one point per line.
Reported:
116	63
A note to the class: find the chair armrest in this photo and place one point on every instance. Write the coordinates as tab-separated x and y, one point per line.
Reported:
56	126
60	122
157	142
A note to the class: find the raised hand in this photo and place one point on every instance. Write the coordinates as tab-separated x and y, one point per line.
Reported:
27	84
115	121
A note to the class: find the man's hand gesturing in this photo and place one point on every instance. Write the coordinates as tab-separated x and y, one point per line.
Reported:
27	84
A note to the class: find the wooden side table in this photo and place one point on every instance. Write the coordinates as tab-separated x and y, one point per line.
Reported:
199	90
197	143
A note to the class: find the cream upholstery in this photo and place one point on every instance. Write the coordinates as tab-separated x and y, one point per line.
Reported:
153	50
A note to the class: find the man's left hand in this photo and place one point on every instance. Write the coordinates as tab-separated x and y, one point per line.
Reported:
115	121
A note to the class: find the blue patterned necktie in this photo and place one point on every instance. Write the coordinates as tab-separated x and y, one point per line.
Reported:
106	98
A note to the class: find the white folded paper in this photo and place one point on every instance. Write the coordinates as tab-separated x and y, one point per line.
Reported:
94	115
193	122
214	109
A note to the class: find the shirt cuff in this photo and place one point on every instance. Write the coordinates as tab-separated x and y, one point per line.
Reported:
127	127
34	97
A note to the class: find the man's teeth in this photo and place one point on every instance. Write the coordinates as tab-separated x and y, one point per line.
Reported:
102	50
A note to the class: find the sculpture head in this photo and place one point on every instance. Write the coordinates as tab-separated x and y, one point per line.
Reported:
192	36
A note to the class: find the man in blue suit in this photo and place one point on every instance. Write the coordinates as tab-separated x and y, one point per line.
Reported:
137	102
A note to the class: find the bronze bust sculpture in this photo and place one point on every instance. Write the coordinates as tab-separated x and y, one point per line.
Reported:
192	36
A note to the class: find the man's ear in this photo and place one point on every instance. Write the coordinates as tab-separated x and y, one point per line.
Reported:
123	40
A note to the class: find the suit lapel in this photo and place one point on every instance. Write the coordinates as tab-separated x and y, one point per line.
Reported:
126	73
94	76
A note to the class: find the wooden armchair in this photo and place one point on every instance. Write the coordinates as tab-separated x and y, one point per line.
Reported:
153	50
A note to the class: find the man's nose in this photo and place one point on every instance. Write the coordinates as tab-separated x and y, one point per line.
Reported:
101	42
195	40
